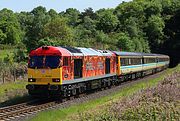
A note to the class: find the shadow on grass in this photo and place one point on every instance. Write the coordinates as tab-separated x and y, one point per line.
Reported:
16	100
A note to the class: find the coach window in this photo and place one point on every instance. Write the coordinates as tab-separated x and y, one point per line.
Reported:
150	60
145	60
131	61
135	61
153	60
65	61
139	61
127	61
122	62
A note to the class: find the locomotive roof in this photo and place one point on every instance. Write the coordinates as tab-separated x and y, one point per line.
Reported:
81	51
89	51
50	50
122	53
106	52
72	49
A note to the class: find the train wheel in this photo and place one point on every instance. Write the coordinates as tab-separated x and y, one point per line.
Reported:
74	91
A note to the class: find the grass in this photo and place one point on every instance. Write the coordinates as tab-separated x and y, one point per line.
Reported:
99	105
7	87
12	93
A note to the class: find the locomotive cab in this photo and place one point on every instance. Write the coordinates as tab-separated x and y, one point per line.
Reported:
44	70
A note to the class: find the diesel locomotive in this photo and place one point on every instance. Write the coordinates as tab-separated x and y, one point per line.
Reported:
67	71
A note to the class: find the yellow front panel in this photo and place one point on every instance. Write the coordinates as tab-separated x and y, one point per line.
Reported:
45	76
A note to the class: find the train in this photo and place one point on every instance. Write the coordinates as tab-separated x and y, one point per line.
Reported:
69	71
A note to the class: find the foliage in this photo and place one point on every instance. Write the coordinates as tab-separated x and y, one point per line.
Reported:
10	31
73	16
139	25
88	12
154	30
107	21
38	18
58	29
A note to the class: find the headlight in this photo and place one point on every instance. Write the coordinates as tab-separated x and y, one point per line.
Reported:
31	80
56	80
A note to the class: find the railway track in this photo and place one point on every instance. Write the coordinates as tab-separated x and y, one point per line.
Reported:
19	111
23	110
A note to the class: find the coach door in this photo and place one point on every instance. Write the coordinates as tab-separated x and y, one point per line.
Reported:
77	68
107	65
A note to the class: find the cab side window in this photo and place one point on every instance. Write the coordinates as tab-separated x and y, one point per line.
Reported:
65	61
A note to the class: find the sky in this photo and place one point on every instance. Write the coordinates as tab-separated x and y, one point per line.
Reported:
58	5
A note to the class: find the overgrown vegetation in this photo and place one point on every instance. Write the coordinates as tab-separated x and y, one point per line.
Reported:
139	25
13	63
10	72
13	92
158	103
155	104
106	108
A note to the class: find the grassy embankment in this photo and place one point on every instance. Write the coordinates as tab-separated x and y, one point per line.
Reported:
11	92
99	107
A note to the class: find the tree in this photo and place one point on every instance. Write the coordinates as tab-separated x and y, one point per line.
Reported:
52	13
58	28
25	19
131	27
102	40
10	30
35	27
88	12
130	9
73	16
2	36
107	21
20	54
124	42
85	30
153	8
154	31
140	45
169	7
